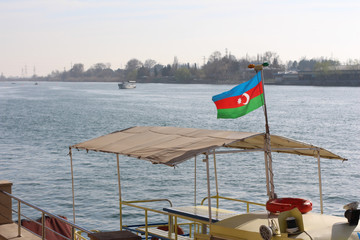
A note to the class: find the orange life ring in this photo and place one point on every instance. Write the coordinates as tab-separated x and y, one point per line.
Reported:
285	204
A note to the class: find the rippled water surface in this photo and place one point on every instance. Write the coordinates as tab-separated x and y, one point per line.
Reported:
39	122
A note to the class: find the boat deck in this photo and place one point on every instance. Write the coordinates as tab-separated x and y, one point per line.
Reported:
10	232
318	226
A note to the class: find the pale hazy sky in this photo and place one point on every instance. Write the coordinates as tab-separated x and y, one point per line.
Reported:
48	35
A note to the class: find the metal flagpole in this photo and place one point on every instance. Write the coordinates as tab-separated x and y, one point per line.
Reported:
266	170
267	145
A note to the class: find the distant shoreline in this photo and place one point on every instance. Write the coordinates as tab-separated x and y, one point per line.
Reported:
348	83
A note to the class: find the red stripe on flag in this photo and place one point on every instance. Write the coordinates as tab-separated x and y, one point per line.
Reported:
241	100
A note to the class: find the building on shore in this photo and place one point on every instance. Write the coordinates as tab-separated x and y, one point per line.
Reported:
332	77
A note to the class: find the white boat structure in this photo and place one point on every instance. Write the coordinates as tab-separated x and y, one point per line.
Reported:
173	145
127	85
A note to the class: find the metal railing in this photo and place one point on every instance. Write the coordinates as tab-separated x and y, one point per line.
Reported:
248	203
44	213
193	225
172	219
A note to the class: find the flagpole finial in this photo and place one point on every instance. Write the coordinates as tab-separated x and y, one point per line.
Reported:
259	67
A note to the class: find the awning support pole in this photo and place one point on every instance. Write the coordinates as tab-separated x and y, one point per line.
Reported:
320	184
120	200
216	182
208	185
195	182
72	183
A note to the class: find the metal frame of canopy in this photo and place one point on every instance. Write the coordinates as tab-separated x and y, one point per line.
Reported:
112	141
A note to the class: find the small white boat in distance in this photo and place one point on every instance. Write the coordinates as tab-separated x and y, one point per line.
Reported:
127	85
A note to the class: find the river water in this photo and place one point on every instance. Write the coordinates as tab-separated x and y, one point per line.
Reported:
39	122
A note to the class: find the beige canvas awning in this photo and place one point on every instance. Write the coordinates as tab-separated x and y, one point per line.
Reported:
173	145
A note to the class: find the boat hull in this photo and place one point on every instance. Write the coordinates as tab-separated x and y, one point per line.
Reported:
127	85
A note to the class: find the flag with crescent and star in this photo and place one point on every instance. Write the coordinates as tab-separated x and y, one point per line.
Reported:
241	99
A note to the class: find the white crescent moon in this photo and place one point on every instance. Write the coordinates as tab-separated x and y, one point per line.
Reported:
247	98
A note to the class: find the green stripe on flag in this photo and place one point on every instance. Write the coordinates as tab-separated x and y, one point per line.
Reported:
241	111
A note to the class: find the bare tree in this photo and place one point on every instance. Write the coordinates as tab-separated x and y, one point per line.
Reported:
149	63
77	70
132	67
215	56
133	64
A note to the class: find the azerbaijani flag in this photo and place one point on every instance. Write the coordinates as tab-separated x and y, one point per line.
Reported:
240	100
